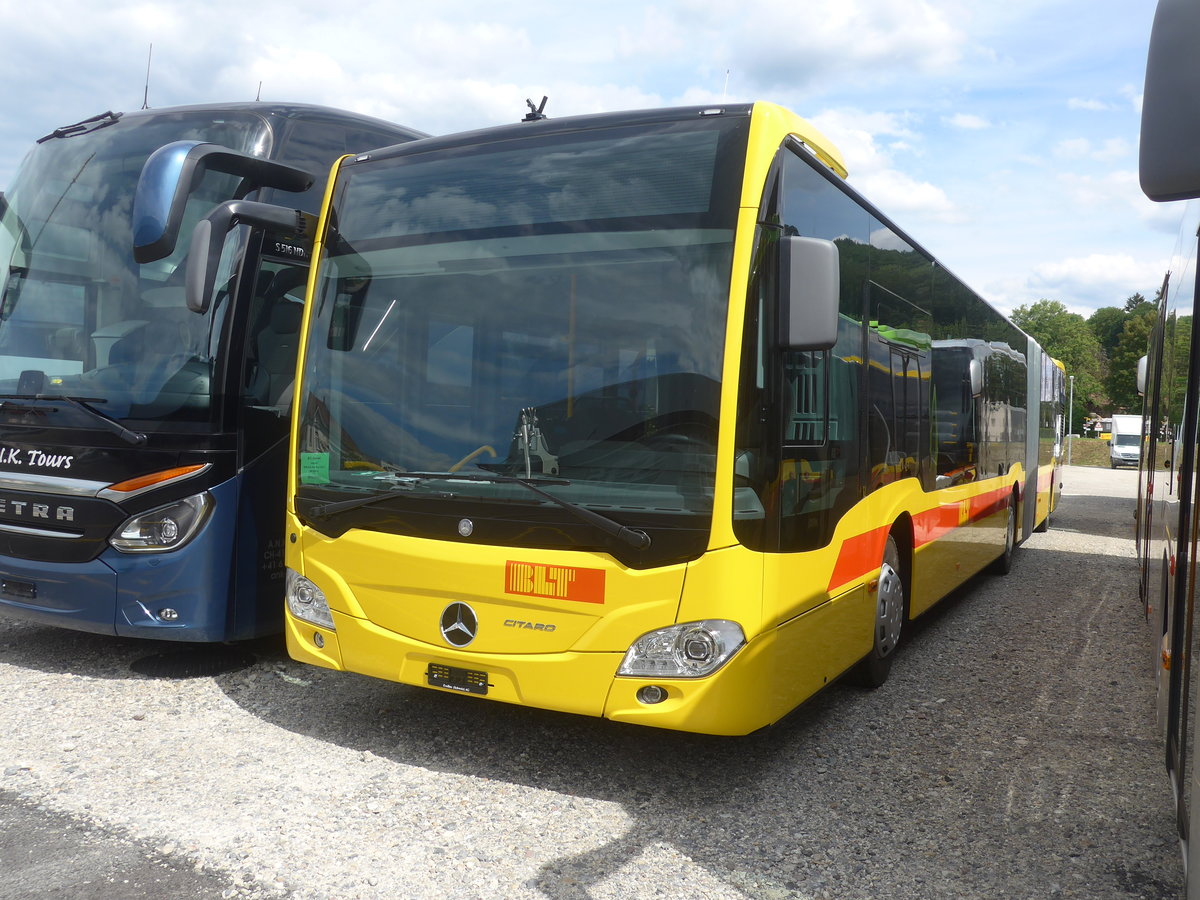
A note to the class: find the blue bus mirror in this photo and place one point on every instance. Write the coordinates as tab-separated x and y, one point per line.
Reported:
809	290
173	171
208	240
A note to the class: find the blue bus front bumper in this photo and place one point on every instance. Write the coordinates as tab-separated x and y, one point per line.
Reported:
126	593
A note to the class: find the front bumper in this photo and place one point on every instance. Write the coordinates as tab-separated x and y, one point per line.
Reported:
734	700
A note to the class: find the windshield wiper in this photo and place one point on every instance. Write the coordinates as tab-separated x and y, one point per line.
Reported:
634	537
81	403
94	123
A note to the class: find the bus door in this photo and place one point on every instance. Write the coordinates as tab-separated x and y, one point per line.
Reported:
270	332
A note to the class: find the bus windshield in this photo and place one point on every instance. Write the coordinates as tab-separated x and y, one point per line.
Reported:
78	317
550	309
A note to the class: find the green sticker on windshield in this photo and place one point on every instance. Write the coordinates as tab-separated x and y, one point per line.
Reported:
314	468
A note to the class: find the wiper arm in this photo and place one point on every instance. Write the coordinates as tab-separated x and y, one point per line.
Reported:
95	123
634	537
333	507
136	438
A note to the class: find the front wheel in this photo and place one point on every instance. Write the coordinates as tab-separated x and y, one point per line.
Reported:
891	607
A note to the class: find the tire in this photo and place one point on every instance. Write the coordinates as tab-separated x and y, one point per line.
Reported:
891	612
1003	564
1043	526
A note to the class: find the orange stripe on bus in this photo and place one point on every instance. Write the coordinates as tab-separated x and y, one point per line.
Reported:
858	555
934	523
985	505
863	553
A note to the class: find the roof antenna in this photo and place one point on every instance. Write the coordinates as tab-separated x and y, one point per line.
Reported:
258	96
146	95
535	112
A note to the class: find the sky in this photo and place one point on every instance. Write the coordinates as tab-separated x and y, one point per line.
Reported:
1002	136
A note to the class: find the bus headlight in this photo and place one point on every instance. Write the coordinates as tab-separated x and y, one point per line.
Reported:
165	527
306	601
691	650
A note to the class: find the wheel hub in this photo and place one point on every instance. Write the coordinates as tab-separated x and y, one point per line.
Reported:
890	615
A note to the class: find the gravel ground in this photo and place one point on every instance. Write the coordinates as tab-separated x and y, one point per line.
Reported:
1012	754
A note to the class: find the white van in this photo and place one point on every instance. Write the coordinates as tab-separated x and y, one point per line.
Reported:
1125	448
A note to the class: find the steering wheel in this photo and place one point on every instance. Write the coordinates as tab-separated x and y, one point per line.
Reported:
672	432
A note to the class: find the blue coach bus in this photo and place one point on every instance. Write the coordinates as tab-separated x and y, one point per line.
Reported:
142	443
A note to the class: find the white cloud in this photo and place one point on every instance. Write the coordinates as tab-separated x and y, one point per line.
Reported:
1108	150
798	45
1116	191
1098	279
1092	105
872	169
1073	148
898	193
855	132
967	121
1134	96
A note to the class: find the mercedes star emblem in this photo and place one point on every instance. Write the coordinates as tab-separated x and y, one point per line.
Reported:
459	624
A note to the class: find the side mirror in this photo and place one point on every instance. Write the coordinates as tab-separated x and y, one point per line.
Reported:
208	238
975	375
1143	365
173	171
1169	167
809	290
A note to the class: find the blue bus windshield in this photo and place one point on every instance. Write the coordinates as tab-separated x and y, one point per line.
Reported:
78	316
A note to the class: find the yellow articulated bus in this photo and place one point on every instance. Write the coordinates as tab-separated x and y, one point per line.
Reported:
644	415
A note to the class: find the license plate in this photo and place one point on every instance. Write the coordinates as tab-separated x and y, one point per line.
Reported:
455	679
23	590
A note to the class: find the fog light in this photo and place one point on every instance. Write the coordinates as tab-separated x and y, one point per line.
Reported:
651	694
318	639
168	615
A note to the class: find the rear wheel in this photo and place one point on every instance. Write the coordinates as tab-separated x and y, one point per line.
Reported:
1003	565
891	609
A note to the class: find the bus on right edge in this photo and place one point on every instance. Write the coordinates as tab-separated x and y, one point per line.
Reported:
1169	378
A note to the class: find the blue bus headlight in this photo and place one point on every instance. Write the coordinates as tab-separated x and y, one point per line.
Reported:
306	601
690	650
165	527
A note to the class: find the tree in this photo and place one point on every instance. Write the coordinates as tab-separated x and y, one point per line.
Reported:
1132	345
1135	303
1107	324
1066	337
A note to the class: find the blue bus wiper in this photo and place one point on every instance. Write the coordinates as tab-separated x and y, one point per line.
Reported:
94	123
83	403
634	537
